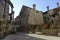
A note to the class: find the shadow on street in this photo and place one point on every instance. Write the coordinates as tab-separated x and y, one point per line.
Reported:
21	36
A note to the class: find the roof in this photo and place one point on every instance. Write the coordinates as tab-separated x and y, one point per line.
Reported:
55	9
25	7
9	3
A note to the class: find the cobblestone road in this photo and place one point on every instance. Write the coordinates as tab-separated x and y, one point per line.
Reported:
25	36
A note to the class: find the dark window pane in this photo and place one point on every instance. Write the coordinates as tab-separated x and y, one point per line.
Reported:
0	0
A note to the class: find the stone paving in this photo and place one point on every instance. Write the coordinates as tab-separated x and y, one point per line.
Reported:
26	36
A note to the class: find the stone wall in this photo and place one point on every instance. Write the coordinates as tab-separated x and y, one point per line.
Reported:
4	17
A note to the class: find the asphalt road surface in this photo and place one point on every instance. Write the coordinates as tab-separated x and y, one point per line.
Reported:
26	36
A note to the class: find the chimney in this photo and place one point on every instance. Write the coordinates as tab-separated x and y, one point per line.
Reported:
47	8
34	6
57	4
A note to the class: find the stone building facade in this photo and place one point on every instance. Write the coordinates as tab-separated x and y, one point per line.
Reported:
34	21
17	23
6	18
52	21
30	19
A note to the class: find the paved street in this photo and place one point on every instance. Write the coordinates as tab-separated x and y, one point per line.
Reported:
25	36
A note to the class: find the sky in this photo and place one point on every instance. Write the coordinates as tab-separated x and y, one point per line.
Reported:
40	5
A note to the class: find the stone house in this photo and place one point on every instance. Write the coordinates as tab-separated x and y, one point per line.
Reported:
34	21
6	18
31	19
51	21
17	23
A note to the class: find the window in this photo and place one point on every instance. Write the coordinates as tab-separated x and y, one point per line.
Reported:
48	18
40	29
52	21
53	15
20	22
44	19
0	0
